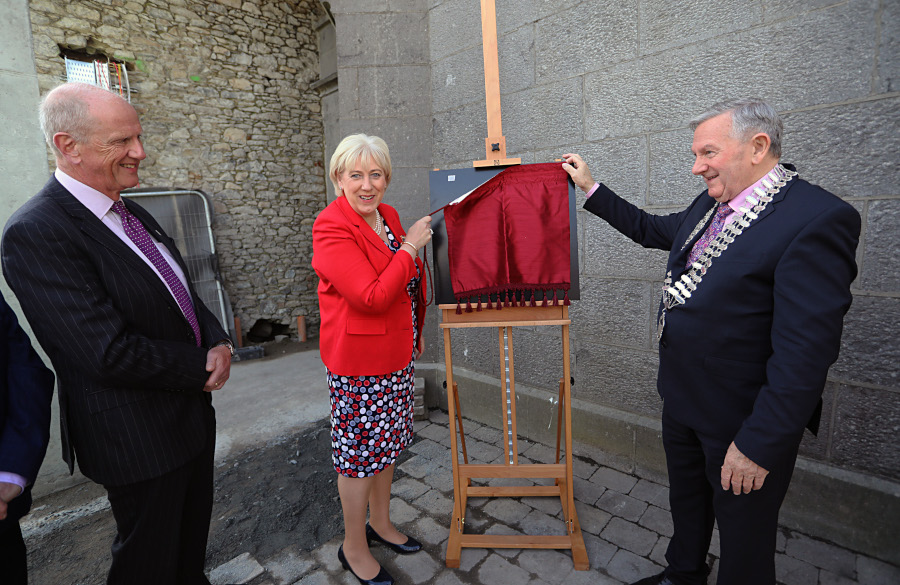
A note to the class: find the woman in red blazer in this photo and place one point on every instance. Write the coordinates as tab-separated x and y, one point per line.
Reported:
372	307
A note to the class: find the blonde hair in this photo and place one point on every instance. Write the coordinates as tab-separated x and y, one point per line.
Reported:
358	148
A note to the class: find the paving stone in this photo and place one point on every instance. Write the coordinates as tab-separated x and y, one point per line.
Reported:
326	555
469	557
448	577
401	512
628	567
583	468
287	566
498	570
614	480
630	536
432	450
439	417
420	567
599	551
536	522
436	433
408	489
508	481
429	531
657	520
552	566
548	505
420	425
482	451
652	493
587	491
440	479
828	578
507	510
542	453
822	554
420	466
487	434
781	539
591	519
874	572
320	578
794	571
241	569
621	505
658	554
589	577
436	504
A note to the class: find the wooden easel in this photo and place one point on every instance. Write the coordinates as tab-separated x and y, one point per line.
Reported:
504	321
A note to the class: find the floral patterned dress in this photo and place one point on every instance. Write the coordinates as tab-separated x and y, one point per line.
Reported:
372	416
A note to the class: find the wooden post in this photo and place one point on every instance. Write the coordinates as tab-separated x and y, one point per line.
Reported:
301	327
495	143
238	333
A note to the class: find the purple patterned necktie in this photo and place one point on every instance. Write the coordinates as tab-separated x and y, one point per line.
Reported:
711	232
135	230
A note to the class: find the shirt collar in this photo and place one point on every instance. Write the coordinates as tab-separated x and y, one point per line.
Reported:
741	198
96	202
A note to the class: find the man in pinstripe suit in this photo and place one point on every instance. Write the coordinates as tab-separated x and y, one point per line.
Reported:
135	368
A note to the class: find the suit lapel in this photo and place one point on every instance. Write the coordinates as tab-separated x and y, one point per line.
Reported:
88	223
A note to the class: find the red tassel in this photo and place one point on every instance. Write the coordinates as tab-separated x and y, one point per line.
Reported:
566	299
468	305
490	305
506	299
533	304
555	300
458	308
479	305
499	303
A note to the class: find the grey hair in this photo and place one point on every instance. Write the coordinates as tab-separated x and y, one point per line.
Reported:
359	148
66	109
748	116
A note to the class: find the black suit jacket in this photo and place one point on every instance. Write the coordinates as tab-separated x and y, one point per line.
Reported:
26	390
746	357
130	376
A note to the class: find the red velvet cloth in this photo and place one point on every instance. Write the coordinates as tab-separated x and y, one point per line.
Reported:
511	234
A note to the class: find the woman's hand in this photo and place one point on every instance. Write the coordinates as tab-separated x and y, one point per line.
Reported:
418	236
420	347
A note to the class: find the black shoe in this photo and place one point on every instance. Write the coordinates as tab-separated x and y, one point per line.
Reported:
410	546
382	578
660	579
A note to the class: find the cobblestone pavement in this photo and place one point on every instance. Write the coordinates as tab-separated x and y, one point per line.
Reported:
624	518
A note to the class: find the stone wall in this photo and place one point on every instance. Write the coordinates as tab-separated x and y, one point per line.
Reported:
223	91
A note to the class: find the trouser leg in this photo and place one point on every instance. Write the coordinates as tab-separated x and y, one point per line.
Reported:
13	560
691	502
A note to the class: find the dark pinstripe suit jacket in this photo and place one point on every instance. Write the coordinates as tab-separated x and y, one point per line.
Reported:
130	377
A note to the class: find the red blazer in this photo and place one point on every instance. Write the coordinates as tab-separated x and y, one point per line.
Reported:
366	320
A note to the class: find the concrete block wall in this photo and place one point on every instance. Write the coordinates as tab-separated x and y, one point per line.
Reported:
617	82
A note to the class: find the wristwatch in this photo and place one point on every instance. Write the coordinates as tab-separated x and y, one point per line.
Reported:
227	343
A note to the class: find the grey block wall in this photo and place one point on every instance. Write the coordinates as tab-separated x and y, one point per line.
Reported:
617	82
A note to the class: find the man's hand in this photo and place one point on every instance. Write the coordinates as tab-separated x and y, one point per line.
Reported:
740	474
218	363
8	492
578	170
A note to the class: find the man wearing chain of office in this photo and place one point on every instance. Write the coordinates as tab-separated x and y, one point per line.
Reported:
757	285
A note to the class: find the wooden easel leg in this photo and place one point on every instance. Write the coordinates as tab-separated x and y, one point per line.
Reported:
454	547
